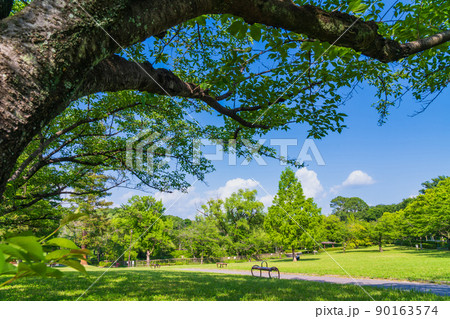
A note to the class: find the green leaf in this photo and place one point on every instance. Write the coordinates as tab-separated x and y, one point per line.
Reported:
255	32
74	264
62	242
57	254
235	27
12	253
24	270
30	245
80	251
8	269
205	86
361	8
52	272
72	217
357	6
39	268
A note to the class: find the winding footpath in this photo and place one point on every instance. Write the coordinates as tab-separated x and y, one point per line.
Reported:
441	290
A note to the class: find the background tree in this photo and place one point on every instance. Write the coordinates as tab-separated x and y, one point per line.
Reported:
387	228
355	233
203	239
292	218
90	203
150	233
430	212
375	212
433	183
333	228
345	206
239	218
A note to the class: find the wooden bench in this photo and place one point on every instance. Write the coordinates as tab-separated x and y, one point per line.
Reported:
265	268
156	265
221	265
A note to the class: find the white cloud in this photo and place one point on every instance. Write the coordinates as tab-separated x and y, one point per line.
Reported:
354	179
358	178
232	186
310	183
127	195
266	200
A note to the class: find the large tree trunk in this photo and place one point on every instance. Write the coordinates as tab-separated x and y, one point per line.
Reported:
294	258
55	51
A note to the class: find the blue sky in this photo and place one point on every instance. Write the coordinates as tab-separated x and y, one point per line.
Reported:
380	164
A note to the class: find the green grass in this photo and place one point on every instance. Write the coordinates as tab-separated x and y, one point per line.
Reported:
393	263
140	284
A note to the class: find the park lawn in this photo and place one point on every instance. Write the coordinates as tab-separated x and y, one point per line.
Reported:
392	263
160	284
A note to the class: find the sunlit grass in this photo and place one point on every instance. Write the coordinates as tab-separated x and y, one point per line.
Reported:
393	263
151	284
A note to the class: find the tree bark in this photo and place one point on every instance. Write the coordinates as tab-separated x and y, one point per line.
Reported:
380	244
294	258
49	50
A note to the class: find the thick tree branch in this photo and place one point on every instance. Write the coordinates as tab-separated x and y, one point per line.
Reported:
118	74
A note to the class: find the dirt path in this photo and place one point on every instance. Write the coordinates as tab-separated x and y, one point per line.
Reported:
442	290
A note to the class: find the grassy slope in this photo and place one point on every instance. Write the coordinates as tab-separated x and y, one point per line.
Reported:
393	263
139	284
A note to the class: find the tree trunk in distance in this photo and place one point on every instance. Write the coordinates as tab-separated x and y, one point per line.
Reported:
83	246
293	254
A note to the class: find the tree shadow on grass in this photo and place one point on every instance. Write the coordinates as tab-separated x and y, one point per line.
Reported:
430	253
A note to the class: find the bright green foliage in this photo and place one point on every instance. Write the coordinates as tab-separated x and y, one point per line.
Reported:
24	255
433	183
203	239
429	213
355	233
333	228
292	220
387	228
141	219
239	220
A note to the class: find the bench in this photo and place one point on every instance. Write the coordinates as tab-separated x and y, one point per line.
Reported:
265	268
221	265
155	265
